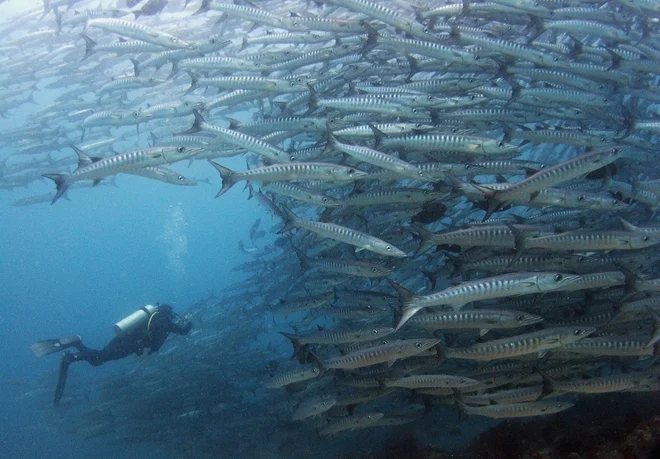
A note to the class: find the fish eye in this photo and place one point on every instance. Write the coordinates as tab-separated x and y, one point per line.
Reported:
388	248
580	198
174	39
429	97
212	41
383	342
351	171
325	199
577	332
180	177
136	114
295	23
374	270
645	238
418	344
414	110
500	144
292	158
181	149
520	318
375	332
420	173
558	277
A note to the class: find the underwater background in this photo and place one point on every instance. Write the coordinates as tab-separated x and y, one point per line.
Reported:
80	265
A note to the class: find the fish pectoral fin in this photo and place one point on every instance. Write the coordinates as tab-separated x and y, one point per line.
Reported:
483	331
96	182
542	353
155	155
390	363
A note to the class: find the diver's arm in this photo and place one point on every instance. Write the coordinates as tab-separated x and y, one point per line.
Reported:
179	325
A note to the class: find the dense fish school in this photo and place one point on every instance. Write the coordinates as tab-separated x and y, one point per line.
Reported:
465	196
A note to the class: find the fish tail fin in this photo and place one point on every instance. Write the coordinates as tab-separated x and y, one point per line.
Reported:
372	39
627	225
656	329
407	299
319	362
61	184
227	177
174	70
426	237
456	265
194	81
244	43
519	243
432	277
136	66
58	21
313	99
89	46
547	387
295	340
440	349
203	8
304	260
197	124
378	135
290	220
462	407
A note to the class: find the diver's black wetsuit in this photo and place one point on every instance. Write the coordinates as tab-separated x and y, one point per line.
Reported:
162	322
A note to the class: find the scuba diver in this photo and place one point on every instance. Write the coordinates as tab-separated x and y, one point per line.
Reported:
147	327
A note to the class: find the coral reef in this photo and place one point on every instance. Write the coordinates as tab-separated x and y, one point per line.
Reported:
618	427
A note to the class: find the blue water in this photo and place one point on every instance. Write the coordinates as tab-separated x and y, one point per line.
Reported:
78	267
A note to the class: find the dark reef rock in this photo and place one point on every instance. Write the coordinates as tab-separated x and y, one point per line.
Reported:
621	426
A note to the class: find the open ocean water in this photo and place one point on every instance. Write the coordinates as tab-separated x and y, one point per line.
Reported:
350	87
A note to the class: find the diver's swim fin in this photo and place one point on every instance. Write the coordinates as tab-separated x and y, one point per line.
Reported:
61	381
49	346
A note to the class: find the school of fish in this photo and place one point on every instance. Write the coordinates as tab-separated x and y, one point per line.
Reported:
465	192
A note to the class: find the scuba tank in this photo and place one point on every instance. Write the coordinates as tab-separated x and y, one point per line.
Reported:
139	318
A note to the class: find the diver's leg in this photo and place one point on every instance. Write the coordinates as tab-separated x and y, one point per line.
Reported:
61	381
94	357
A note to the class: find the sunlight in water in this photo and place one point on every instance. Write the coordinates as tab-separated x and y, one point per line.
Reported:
175	240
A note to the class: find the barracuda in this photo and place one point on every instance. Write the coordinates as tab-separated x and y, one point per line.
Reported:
124	162
515	346
389	352
457	143
287	172
138	31
503	286
362	241
482	319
